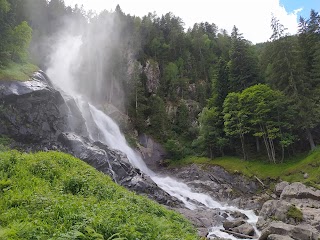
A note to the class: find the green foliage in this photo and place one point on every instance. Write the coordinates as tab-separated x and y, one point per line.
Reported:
19	42
19	72
174	149
15	38
4	143
55	196
295	213
158	118
291	169
243	69
182	120
4	6
211	135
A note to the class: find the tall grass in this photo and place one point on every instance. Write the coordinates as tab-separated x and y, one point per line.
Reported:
56	196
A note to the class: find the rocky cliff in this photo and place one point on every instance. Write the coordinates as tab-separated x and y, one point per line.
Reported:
37	117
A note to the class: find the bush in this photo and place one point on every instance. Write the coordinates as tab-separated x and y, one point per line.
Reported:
174	149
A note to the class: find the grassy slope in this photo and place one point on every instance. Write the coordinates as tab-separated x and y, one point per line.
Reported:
15	71
55	196
291	170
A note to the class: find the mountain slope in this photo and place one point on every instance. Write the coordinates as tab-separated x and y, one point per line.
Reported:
56	196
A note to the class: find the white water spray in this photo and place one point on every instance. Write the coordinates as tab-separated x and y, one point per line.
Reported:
110	134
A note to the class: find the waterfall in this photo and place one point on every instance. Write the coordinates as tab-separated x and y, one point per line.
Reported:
101	127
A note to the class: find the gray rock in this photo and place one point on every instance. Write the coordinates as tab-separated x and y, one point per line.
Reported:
300	232
306	175
151	151
217	182
278	237
279	187
245	228
273	210
152	72
228	225
117	166
202	218
301	195
311	216
30	111
237	214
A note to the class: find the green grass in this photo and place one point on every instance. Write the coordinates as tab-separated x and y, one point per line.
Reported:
19	72
291	170
56	196
295	214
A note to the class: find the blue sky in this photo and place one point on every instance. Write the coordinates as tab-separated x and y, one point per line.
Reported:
306	5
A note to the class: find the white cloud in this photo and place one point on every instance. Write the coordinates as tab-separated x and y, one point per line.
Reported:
252	17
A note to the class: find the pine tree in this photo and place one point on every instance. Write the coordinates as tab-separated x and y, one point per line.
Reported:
243	66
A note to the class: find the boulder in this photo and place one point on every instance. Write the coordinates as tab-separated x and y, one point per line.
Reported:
237	214
300	232
202	218
271	210
278	237
228	225
301	195
279	187
32	111
246	229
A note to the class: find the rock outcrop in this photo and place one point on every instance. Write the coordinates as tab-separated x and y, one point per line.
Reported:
32	111
152	152
37	117
296	215
152	72
218	183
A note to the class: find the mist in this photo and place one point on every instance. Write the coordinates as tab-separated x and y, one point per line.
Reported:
81	52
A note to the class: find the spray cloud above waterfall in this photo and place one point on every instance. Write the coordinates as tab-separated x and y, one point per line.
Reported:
94	57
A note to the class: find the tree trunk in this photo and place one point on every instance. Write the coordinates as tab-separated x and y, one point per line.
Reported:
310	138
258	144
221	151
211	153
266	143
282	153
243	147
136	101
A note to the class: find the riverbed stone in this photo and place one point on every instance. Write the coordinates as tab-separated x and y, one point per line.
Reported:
246	229
278	237
228	225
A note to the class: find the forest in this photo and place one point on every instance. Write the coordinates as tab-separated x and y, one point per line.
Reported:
198	91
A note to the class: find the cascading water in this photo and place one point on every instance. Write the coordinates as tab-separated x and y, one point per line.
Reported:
102	128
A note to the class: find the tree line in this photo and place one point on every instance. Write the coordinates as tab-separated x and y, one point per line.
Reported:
199	90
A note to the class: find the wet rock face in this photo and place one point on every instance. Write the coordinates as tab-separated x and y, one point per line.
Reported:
152	152
115	164
219	184
31	111
38	118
